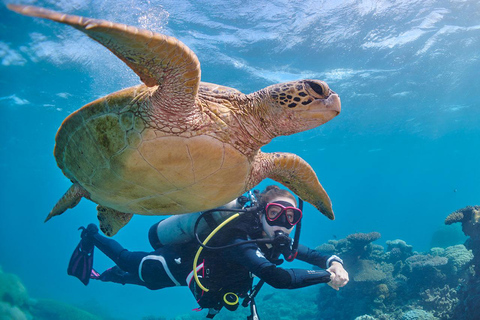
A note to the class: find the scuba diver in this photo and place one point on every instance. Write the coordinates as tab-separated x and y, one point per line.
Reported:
218	274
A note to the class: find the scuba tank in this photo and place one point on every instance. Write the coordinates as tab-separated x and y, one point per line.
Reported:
179	229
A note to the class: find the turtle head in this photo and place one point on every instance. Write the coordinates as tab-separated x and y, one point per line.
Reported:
300	105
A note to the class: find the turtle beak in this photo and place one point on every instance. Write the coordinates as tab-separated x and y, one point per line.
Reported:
321	111
332	103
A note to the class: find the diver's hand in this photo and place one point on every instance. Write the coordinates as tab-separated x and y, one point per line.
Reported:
339	277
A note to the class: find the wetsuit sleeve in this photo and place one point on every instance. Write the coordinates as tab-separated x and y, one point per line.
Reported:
315	257
250	256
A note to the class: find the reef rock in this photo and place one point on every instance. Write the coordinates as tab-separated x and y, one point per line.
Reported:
56	310
358	245
363	239
399	244
365	317
421	262
436	251
469	217
12	289
398	283
398	250
9	312
15	304
469	301
326	248
367	271
459	256
441	301
417	314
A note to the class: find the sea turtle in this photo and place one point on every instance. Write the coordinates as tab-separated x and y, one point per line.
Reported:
174	144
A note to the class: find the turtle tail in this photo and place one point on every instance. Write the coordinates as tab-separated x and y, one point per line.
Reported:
69	200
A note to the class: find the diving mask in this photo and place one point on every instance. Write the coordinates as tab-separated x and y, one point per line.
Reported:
282	214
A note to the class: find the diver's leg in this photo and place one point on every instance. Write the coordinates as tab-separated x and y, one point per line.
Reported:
126	260
155	274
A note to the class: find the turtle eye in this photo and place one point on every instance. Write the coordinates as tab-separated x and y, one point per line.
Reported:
320	89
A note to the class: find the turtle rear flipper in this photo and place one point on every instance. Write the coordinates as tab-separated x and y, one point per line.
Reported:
112	220
69	200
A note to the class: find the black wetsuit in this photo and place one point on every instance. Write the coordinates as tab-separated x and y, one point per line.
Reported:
229	269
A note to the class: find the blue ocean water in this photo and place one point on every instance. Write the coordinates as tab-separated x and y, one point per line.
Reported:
402	155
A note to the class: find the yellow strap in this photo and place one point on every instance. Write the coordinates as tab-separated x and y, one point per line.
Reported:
195	275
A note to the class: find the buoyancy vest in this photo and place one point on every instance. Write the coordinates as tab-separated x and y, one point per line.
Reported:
219	275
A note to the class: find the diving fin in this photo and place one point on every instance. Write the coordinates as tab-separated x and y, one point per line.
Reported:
81	262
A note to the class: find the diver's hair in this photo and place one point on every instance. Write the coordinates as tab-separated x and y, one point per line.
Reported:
272	192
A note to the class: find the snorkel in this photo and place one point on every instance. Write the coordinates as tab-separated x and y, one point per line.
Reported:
296	238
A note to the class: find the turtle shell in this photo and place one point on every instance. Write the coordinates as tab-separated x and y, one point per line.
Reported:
127	165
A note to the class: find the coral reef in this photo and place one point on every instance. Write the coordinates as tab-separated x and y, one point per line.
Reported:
398	250
421	262
417	314
365	317
56	310
469	217
469	261
326	248
441	301
15	304
367	271
12	290
469	300
459	256
9	312
359	244
362	239
397	283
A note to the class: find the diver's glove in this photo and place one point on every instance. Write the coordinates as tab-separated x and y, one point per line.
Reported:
113	274
303	278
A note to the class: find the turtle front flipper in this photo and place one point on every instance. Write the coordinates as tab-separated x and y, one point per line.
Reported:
156	58
69	200
112	220
294	173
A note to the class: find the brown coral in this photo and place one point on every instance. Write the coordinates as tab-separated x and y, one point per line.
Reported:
359	244
367	271
441	301
470	219
382	290
363	238
421	261
453	217
326	248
